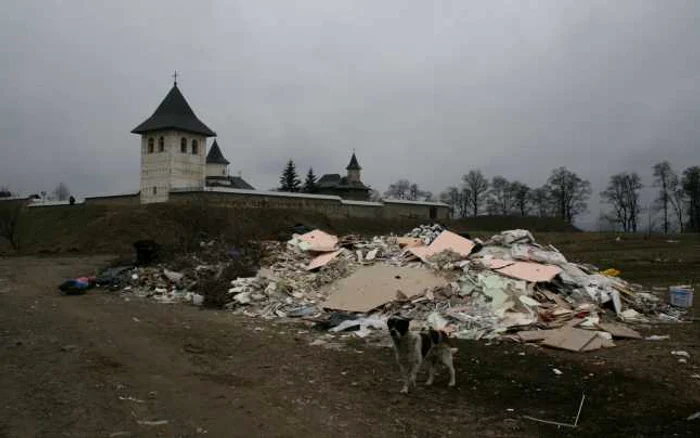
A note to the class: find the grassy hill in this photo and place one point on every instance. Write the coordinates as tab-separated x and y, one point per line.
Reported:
100	229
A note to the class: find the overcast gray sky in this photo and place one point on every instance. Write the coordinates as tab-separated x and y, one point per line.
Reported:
424	90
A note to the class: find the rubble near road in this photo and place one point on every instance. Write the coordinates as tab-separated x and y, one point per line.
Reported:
508	286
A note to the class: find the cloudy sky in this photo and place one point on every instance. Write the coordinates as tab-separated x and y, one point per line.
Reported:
424	90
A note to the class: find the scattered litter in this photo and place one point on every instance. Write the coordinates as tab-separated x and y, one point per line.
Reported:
557	371
694	416
131	399
77	286
680	353
657	338
152	423
681	296
508	285
571	425
611	272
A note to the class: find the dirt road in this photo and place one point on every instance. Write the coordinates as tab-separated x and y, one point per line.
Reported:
98	366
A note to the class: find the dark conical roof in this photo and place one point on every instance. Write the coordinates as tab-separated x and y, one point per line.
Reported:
354	165
174	113
215	156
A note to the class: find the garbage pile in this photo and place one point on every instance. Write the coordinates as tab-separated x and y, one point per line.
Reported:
506	286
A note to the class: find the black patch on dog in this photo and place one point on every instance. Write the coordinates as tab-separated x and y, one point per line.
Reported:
400	325
426	343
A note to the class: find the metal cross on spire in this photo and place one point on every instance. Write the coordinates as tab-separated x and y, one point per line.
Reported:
175	77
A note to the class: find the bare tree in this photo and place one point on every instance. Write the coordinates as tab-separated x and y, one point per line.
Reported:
10	214
414	192
374	195
663	179
404	189
540	201
5	192
500	196
398	190
452	197
622	194
568	193
521	197
691	188
476	185
678	201
61	192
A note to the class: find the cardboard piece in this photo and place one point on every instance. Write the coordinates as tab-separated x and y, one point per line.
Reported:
620	331
571	339
447	240
532	272
534	335
319	241
322	260
498	263
372	286
409	242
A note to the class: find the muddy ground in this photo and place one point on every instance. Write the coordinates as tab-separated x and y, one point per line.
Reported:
100	366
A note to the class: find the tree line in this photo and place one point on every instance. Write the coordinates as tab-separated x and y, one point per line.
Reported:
60	193
565	195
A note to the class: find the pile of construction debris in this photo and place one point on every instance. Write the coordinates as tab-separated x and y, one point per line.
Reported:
507	286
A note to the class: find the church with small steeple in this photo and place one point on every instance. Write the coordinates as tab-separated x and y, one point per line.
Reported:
347	187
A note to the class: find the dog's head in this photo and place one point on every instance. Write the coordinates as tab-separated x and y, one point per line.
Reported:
398	326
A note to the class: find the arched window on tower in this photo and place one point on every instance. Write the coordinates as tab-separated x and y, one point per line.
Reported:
161	144
195	147
151	142
183	145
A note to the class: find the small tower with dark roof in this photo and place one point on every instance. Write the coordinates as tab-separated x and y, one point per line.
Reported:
217	171
173	146
217	164
354	170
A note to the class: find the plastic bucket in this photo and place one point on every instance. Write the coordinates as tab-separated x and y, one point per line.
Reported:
681	296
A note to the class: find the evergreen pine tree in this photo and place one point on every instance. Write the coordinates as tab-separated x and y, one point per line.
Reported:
310	183
289	181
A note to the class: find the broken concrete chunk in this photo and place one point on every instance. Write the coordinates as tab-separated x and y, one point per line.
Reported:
372	255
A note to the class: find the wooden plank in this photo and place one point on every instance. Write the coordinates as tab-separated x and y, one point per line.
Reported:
571	339
372	286
619	331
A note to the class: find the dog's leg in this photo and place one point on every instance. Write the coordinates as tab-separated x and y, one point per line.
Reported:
414	372
446	358
406	376
431	372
